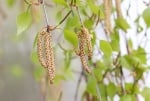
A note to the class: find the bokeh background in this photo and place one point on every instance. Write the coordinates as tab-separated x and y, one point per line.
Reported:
18	72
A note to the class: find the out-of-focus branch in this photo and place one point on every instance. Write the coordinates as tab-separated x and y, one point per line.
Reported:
43	84
60	96
118	8
107	12
78	85
2	12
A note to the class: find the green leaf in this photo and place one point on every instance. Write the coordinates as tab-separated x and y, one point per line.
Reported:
146	16
126	61
145	93
35	41
94	8
71	37
127	98
111	90
91	86
94	38
135	57
115	41
88	23
107	61
103	92
139	26
67	59
122	24
72	22
68	73
58	78
140	54
139	72
59	15
17	71
60	2
101	12
10	3
106	48
34	57
130	44
18	38
101	65
129	61
130	89
98	71
38	73
23	22
65	74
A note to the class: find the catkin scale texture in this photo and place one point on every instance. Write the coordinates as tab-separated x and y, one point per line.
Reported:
40	50
45	52
82	54
87	36
49	56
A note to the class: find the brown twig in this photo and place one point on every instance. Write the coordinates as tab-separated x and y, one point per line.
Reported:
45	13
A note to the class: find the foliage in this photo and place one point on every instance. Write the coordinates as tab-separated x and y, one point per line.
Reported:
107	78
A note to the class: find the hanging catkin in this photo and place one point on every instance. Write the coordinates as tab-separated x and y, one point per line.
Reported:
40	48
45	52
49	56
81	52
107	12
88	38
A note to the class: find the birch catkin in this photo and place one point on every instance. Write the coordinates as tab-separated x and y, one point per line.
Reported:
45	52
49	56
81	51
40	48
88	38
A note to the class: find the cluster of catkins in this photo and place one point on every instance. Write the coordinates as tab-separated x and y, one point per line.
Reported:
46	54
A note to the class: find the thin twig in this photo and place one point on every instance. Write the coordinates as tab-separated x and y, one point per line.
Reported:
79	16
27	2
64	18
122	79
45	13
71	2
78	85
48	4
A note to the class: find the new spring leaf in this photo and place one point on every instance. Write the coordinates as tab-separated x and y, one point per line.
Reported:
23	22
